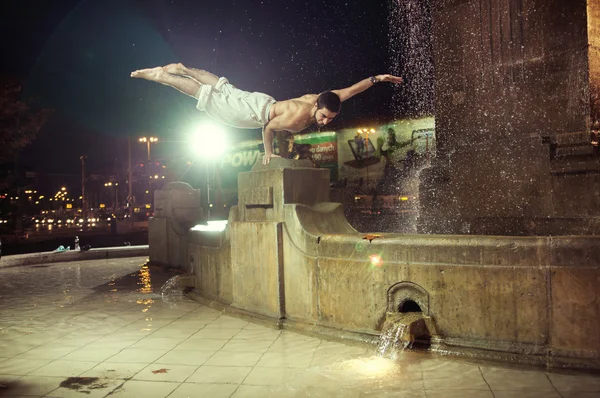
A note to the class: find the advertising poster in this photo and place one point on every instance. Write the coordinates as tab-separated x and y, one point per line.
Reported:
322	149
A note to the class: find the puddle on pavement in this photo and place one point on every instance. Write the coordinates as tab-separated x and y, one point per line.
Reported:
83	384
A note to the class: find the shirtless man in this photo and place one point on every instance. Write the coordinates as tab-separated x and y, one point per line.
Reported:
242	109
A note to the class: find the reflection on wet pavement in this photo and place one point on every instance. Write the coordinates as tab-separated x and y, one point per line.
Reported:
99	328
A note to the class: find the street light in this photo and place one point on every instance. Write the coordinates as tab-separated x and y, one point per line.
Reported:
148	140
209	142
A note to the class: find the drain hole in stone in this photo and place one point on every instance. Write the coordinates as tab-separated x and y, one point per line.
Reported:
420	337
409	306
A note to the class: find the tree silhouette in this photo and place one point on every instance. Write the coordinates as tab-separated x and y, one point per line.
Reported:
19	122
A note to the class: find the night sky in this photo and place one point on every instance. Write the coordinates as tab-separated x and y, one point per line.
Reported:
76	56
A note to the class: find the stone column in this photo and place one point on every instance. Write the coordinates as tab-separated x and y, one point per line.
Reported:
176	210
257	229
516	92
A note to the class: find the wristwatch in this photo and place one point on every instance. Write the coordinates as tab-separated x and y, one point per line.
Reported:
374	79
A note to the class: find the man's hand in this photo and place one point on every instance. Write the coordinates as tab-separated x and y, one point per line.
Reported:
267	158
390	78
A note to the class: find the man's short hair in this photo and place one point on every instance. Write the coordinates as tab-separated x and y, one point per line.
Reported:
329	100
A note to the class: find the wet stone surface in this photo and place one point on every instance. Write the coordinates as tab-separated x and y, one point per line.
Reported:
100	328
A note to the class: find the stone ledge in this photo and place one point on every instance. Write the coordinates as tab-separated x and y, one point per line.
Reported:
73	255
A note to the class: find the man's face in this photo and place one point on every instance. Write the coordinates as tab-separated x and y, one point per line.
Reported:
324	116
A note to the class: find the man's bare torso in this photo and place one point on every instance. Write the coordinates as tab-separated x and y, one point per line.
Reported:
293	115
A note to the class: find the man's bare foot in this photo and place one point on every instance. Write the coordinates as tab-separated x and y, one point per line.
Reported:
152	74
176	69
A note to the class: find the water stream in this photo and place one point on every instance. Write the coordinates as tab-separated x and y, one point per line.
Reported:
397	333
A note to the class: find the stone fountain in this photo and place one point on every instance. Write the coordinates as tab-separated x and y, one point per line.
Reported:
510	266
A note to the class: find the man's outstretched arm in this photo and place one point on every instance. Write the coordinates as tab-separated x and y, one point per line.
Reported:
349	92
268	137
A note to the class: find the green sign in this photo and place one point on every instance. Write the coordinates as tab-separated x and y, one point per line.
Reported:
239	159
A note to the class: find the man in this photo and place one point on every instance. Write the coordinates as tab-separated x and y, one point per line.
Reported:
232	106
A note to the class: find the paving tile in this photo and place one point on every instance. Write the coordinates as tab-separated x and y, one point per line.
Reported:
47	351
565	383
185	357
38	338
173	331
262	334
279	359
32	385
165	372
215	333
294	346
219	374
527	394
516	380
440	368
227	322
11	350
579	394
21	367
111	344
93	353
81	339
187	390
459	393
245	391
157	343
115	370
145	389
247	345
471	378
62	368
189	323
202	344
137	355
5	379
262	376
227	358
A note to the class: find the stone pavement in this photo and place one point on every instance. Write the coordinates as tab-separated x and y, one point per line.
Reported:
101	328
